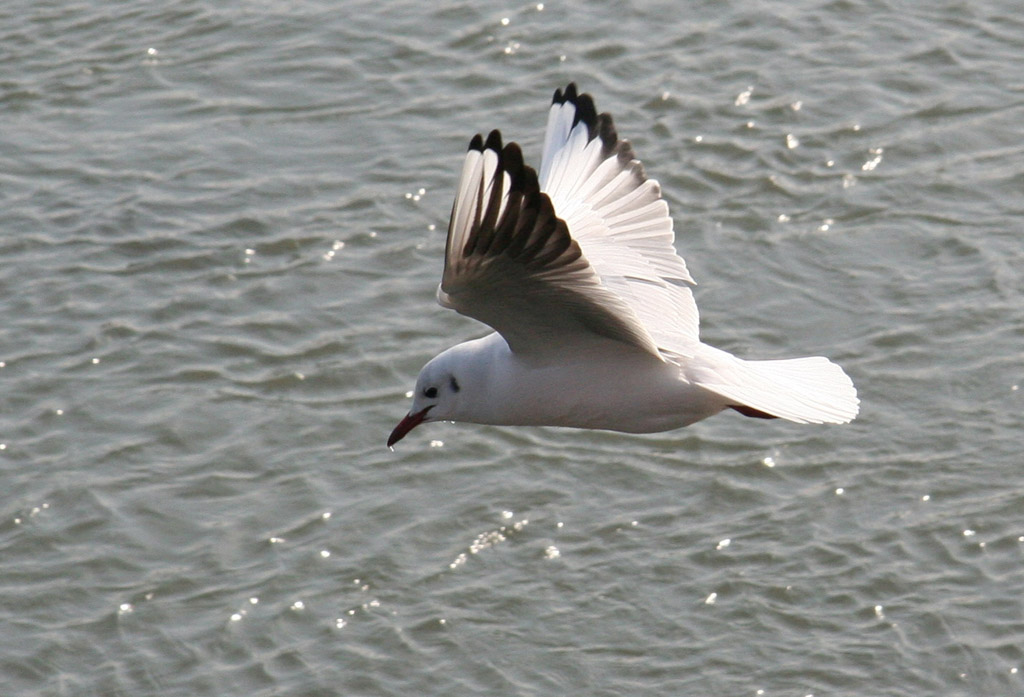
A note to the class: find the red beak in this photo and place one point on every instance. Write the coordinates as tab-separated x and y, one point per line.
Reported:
411	421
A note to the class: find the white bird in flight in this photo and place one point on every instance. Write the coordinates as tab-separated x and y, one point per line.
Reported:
595	325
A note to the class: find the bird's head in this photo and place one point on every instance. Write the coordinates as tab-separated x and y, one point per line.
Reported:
437	396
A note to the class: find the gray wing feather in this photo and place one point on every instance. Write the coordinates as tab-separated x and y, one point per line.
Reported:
511	263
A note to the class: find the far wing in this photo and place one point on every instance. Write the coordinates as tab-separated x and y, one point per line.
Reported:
510	262
618	218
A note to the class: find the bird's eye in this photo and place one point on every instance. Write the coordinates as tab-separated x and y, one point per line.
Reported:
430	392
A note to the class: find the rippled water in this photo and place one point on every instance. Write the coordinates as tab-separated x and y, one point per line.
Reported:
221	233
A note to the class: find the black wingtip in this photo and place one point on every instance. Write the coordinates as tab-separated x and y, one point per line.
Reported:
494	141
606	130
512	161
510	158
585	109
586	112
598	125
569	95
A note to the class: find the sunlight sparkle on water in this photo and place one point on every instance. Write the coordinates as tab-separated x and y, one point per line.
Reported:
874	161
488	539
336	246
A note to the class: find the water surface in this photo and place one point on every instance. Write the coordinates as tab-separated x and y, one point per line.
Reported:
221	233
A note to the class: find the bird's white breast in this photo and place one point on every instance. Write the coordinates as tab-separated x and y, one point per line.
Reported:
610	386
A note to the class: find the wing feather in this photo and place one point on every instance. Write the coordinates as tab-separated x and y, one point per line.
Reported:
511	263
618	218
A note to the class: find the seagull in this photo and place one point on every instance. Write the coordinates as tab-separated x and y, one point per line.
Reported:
595	325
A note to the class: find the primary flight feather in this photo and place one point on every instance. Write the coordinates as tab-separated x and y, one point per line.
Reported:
595	323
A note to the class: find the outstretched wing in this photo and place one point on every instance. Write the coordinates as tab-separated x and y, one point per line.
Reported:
511	263
618	218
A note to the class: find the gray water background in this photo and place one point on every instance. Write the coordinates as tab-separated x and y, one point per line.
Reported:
221	227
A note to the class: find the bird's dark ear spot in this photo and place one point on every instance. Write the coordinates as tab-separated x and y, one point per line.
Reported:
430	392
453	383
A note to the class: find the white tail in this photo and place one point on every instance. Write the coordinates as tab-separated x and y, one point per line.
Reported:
805	390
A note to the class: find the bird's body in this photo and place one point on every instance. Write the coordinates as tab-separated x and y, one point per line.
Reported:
595	323
609	387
